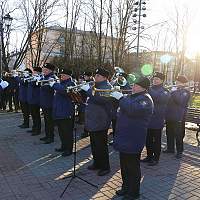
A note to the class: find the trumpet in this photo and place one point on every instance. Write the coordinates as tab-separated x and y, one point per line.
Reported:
114	89
33	78
46	82
19	73
77	88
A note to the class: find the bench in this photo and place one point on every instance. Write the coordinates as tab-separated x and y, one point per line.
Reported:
193	116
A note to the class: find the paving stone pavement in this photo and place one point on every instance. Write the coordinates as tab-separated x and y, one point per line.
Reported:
30	170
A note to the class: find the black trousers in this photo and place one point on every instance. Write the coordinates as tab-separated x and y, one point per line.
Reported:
12	97
25	112
65	130
35	114
153	143
114	121
175	132
131	173
99	149
48	122
3	100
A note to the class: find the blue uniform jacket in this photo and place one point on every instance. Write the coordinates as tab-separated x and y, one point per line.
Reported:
177	105
62	105
33	93
160	98
98	111
23	87
47	93
133	118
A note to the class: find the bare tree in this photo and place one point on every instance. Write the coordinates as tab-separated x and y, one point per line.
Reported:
35	15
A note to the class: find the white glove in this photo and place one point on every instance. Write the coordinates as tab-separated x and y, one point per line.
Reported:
37	78
4	84
14	74
174	88
116	95
26	74
51	83
85	87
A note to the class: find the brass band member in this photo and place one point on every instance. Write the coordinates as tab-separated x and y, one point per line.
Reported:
160	97
175	116
97	122
23	87
46	103
134	114
63	112
33	98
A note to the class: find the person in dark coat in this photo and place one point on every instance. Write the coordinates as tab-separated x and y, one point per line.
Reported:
87	77
133	118
97	121
23	87
3	85
33	98
160	97
175	116
63	112
3	96
123	86
46	103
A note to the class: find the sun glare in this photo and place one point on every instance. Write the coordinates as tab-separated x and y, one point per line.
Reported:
193	43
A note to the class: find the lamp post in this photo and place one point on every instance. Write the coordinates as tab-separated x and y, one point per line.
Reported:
5	21
138	13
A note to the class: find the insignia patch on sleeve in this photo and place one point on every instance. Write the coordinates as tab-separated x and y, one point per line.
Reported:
165	92
143	103
185	94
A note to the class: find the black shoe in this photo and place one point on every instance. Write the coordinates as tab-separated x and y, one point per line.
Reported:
66	153
48	141
36	133
59	149
129	197
146	160
92	167
44	138
121	192
103	172
9	110
23	126
179	155
168	151
153	163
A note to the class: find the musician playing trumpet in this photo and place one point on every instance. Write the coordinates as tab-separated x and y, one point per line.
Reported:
133	116
97	121
46	103
23	89
122	84
160	96
63	111
33	99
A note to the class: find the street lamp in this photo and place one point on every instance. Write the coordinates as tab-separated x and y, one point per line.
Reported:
5	20
141	7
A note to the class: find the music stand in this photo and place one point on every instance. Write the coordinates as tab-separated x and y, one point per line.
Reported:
73	176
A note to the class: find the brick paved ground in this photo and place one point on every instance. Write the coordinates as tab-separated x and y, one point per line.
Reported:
30	170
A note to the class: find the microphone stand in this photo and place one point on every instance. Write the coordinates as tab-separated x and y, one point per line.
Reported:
73	176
